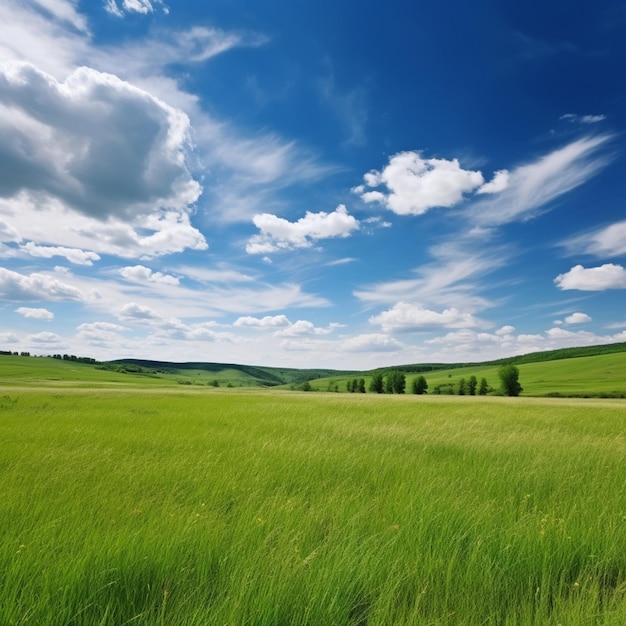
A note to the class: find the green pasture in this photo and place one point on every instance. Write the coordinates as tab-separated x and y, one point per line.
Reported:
581	376
43	371
194	506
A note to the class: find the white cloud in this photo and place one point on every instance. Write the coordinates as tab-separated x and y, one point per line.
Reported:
102	326
102	155
269	321
304	328
280	234
370	342
578	338
63	11
607	276
414	184
577	318
36	286
300	328
38	314
583	119
142	274
101	334
9	338
405	317
8	233
449	281
221	274
505	330
119	8
134	312
498	183
46	338
73	255
609	241
536	184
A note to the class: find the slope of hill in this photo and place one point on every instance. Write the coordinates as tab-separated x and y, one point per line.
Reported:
586	372
596	375
226	373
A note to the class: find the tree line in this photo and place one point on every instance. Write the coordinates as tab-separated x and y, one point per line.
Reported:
394	381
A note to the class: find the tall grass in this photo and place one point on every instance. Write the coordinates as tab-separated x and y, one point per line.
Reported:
277	508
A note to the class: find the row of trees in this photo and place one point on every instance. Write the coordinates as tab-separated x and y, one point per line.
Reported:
356	386
395	382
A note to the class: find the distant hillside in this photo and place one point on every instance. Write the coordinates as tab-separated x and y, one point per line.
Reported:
531	357
584	371
225	373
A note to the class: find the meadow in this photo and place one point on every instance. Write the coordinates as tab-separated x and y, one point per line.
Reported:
589	376
190	506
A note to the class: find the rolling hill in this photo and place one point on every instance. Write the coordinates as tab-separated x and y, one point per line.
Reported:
576	372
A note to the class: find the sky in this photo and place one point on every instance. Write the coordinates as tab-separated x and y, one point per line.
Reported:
311	184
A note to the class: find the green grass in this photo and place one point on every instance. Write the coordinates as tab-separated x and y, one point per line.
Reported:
581	376
190	506
41	371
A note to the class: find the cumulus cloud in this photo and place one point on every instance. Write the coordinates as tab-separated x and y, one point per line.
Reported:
304	328
36	286
142	274
8	233
9	338
269	321
45	338
370	342
299	328
413	185
577	318
280	234
405	317
607	276
38	314
505	330
100	149
137	312
100	334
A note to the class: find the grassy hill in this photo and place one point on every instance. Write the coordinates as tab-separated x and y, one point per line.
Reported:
595	375
584	372
226	373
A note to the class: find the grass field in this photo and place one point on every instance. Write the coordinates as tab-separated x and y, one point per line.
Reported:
582	376
190	506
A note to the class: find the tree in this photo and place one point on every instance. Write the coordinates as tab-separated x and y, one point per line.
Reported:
399	383
509	377
419	385
377	385
462	387
389	383
471	385
361	387
395	382
484	387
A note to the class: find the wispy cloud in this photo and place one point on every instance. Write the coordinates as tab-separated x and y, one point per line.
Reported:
119	8
534	185
609	241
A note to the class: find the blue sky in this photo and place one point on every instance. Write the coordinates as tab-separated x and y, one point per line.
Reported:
311	184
